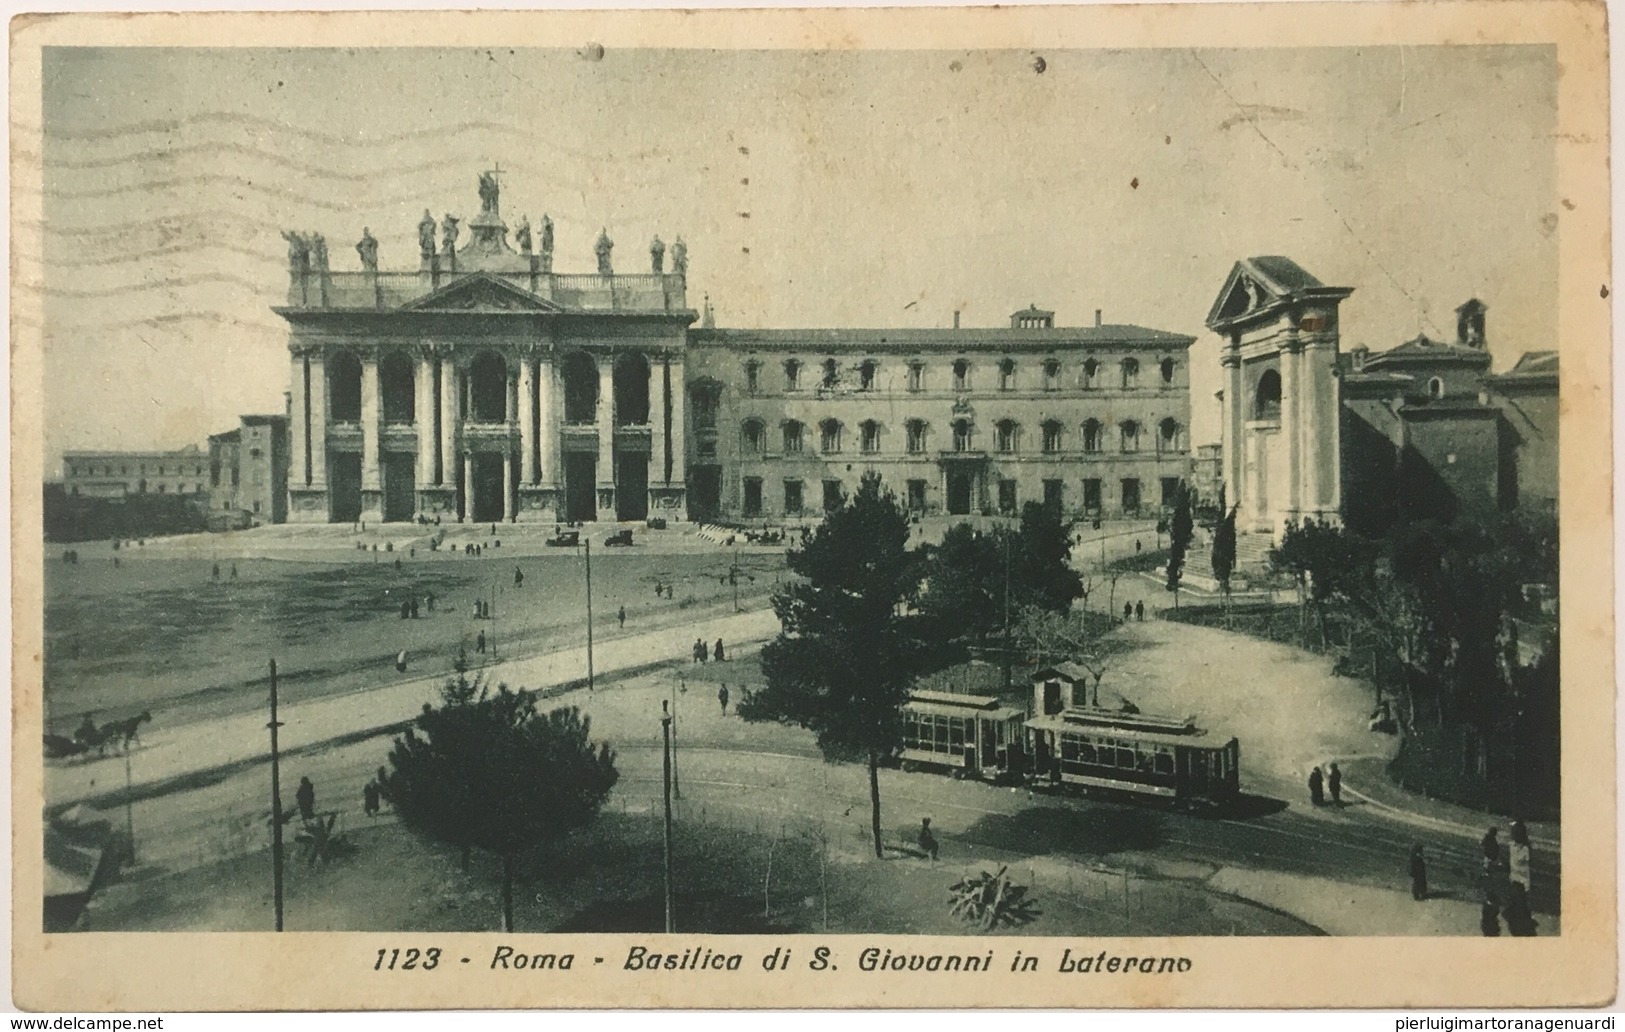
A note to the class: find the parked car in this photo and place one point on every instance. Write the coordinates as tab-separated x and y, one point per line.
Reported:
620	537
565	538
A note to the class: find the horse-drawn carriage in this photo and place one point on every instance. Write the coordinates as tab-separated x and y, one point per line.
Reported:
118	734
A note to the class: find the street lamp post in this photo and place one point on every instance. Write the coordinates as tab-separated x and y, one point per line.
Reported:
276	807
676	784
129	806
587	548
665	729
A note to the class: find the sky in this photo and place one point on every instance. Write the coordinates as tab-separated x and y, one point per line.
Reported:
813	188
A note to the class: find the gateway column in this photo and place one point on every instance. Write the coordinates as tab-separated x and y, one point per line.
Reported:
448	426
675	470
318	423
423	413
1292	417
372	494
657	433
606	437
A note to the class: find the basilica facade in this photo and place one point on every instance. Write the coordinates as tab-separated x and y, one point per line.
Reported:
483	386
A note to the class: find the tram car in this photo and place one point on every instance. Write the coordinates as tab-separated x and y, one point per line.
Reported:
968	735
1127	753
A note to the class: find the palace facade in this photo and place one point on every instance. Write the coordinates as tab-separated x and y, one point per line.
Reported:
483	386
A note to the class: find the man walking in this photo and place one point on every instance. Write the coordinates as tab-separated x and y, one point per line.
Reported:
1334	782
1139	611
1128	611
928	841
621	616
717	652
722	697
306	798
1316	783
479	642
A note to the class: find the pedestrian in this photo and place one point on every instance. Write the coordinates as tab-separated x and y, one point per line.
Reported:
1315	783
1128	612
518	577
217	572
493	530
115	562
233	568
306	798
702	651
1520	922
400	662
1419	874
1490	847
479	642
1334	783
716	653
1519	857
697	650
397	562
1139	611
621	616
928	841
1136	546
1489	918
722	697
414	607
406	609
369	798
431	601
382	781
658	590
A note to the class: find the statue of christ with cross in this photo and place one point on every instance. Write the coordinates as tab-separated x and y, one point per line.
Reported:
489	190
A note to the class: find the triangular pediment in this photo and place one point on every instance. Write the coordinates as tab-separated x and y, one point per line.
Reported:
1245	290
481	292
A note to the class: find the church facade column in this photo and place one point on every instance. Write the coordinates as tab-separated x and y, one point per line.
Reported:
448	425
657	432
606	437
305	504
372	493
1292	419
676	438
508	487
468	488
1230	425
527	418
423	415
318	422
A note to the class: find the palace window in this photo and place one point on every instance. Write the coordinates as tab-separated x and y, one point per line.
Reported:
1091	374
834	497
1435	388
916	495
792	440
1131	495
1093	435
1131	435
1007	375
1267	396
961	375
916	436
1052	436
1131	374
1167	372
832	373
916	376
962	435
1007	496
792	497
753	496
753	373
1052	375
1054	495
754	434
871	436
1170	492
1006	431
792	375
866	375
829	436
1168	437
1091	495
705	397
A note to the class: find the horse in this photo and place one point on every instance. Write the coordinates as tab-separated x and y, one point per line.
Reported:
58	747
125	731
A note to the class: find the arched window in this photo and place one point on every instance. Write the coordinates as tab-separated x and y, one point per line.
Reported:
871	436
961	375
792	438
396	382
1052	375
1131	373
1267	396
1435	388
488	388
1168	438
1093	435
1052	436
916	436
832	372
631	390
753	434
753	373
580	375
916	376
1005	435
1007	375
344	388
963	435
866	375
1091	374
792	374
829	436
1167	372
1131	435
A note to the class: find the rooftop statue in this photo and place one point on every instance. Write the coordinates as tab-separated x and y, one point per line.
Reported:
679	257
298	251
657	255
426	235
367	248
318	252
488	193
603	248
522	234
448	234
547	235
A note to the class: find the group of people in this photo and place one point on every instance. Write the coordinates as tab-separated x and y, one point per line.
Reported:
701	652
1136	611
662	590
1506	882
215	574
1322	783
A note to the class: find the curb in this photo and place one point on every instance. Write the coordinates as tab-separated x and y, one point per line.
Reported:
1436	823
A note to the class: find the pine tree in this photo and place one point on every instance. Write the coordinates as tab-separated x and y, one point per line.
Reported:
1180	532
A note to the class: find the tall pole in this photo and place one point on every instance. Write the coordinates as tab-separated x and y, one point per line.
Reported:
129	806
276	807
492	613
1007	657
676	784
589	613
665	729
733	575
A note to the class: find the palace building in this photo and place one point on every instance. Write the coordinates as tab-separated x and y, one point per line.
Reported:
484	386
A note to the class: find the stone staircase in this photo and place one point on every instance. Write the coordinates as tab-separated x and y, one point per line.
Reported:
1253	552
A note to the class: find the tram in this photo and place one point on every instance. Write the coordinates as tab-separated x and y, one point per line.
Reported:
969	735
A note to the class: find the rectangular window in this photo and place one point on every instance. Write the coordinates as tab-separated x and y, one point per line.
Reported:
961	375
1091	495
1052	438
916	437
1054	495
871	438
1007	496
1170	492
916	376
916	495
832	495
792	438
792	497
1052	375
792	375
1131	495
753	496
752	376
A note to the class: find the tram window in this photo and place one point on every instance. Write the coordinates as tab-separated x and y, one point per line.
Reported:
1086	750
1165	760
1125	756
1069	747
1144	758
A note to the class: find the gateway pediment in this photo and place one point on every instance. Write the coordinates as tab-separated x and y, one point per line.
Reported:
481	293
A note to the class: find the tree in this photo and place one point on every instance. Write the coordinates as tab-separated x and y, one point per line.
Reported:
844	659
1043	575
1224	550
486	771
1180	531
1321	558
1050	638
965	574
